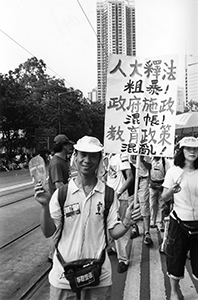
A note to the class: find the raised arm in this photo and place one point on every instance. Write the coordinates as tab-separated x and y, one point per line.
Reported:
43	197
131	217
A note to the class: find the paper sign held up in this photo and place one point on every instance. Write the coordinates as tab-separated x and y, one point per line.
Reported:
141	105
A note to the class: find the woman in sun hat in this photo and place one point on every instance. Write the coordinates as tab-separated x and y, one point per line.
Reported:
181	182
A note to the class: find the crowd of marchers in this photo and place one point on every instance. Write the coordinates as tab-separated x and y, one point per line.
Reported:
158	191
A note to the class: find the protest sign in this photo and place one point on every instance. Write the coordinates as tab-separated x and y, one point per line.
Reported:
141	105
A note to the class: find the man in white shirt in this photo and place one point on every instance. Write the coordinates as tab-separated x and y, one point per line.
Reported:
83	234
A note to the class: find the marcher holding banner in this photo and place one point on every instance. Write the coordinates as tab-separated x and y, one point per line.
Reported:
181	182
141	105
83	232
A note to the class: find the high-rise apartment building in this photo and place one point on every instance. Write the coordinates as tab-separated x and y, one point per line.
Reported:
92	96
180	100
191	79
115	34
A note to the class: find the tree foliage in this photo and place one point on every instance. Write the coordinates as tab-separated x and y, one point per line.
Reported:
31	99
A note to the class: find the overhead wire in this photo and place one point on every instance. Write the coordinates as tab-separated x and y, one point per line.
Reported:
91	25
32	55
47	65
87	17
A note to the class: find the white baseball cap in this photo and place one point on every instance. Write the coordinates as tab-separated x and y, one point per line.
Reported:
188	141
88	144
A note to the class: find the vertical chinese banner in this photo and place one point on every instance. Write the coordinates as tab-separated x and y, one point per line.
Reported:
141	105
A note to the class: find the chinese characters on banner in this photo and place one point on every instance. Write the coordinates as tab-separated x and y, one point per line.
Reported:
141	105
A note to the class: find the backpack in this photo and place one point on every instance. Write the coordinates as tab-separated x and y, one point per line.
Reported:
62	195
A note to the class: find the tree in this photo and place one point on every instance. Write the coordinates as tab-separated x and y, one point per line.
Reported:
75	116
97	115
13	111
32	99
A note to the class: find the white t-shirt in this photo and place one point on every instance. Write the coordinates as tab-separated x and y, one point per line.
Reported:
115	178
186	201
83	234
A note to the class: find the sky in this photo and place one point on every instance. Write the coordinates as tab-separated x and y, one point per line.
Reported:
59	33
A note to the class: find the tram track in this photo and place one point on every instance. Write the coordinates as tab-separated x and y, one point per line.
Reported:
18	200
23	248
36	286
15	195
19	237
21	190
10	190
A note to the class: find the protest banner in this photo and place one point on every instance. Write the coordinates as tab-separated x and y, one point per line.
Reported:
141	105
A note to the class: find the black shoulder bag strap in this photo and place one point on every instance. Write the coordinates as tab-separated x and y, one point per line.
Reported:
109	198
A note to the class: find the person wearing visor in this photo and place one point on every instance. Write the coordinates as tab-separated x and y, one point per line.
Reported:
181	183
83	234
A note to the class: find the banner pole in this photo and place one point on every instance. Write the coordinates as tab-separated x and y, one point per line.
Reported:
136	179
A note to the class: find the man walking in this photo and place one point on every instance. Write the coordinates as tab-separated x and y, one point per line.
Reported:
59	172
59	164
159	167
143	195
83	234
